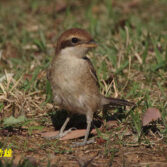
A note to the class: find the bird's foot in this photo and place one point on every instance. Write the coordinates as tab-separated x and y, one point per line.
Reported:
60	134
79	144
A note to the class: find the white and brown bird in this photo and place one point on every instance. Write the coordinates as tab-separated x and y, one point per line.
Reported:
73	79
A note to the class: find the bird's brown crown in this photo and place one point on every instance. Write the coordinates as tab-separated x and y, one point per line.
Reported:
73	37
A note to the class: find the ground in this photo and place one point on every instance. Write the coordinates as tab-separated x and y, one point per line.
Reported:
130	62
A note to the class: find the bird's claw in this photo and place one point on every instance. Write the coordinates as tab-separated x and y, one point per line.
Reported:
79	144
60	134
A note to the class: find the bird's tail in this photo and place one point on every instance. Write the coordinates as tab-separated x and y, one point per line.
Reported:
114	102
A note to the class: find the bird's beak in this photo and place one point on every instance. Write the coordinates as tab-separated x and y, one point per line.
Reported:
90	44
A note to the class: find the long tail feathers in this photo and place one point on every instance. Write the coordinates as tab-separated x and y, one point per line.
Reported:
114	102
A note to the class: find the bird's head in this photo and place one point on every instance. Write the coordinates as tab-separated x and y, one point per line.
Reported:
75	41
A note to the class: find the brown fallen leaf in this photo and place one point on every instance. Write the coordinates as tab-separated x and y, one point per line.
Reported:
100	140
77	134
111	124
74	134
49	134
60	7
134	4
27	76
152	114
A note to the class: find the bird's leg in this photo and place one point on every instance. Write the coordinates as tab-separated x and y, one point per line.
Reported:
86	141
62	132
87	130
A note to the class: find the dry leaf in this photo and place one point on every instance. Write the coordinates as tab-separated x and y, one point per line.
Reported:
27	76
61	7
152	114
49	134
111	124
100	140
74	134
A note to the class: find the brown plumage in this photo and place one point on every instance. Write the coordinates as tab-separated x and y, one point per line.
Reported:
73	78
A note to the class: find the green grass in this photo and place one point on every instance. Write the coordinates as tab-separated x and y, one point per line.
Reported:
132	50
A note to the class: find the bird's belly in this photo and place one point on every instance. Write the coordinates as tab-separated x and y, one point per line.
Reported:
67	87
76	103
71	89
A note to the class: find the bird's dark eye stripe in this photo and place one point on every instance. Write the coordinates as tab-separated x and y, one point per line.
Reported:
75	40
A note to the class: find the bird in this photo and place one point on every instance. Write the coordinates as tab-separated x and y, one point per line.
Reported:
74	82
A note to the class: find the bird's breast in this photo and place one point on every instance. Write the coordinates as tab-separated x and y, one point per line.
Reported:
68	71
73	83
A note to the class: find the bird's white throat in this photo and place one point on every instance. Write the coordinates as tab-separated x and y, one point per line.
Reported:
76	51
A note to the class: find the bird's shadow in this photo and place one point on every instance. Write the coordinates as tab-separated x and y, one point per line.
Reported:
152	127
119	115
79	121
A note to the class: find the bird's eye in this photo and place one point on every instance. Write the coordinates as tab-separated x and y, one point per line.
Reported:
75	40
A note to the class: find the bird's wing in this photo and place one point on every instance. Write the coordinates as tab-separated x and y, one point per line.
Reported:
92	71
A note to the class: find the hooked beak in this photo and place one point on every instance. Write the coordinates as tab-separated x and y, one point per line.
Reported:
90	44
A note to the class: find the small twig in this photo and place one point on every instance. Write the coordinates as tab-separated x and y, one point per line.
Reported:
115	89
33	93
127	36
130	60
138	58
15	85
3	89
